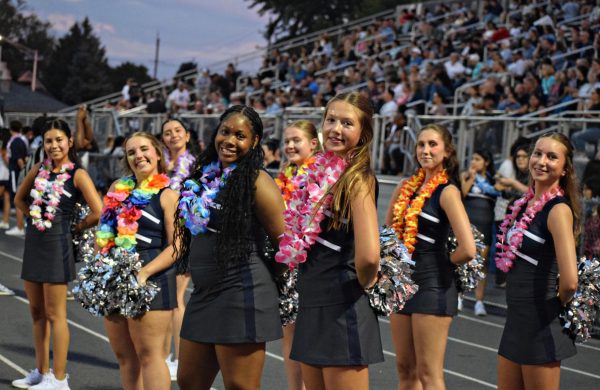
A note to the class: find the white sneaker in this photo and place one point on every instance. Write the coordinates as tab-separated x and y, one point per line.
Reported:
15	231
5	290
480	309
4	225
33	378
51	383
460	303
173	365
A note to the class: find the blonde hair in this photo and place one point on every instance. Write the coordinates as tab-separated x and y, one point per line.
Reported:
358	168
309	130
162	168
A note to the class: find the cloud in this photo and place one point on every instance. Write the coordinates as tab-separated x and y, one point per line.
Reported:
103	27
61	22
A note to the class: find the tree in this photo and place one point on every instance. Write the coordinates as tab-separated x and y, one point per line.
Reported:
187	66
25	29
78	66
119	75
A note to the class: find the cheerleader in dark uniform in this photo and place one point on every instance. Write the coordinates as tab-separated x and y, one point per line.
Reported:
301	141
536	243
477	186
226	211
422	211
337	332
180	157
47	196
139	343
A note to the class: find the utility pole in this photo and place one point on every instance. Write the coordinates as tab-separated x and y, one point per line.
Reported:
156	55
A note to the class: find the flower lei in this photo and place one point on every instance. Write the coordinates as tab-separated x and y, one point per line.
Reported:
306	208
509	244
40	188
406	212
194	210
181	170
122	209
291	177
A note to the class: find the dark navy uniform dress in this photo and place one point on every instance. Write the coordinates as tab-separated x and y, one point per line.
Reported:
480	209
335	324
532	333
233	305
434	273
151	240
48	255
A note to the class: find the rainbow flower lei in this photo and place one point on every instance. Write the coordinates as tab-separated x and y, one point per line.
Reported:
40	188
194	209
291	177
509	243
122	209
406	212
181	170
306	208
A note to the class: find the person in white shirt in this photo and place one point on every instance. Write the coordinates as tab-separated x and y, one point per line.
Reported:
179	99
389	108
454	67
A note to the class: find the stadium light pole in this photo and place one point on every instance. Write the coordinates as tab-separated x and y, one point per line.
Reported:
27	50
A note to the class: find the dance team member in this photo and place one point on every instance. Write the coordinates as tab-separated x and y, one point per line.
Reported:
337	332
139	213
477	187
536	243
226	212
179	161
301	141
423	209
47	198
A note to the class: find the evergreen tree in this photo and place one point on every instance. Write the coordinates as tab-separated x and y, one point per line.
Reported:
120	74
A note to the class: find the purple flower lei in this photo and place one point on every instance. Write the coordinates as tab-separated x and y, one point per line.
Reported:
197	197
181	170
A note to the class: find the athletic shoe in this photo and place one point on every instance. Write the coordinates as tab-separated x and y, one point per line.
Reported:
70	296
4	225
172	364
33	378
15	231
51	383
480	309
460	303
5	290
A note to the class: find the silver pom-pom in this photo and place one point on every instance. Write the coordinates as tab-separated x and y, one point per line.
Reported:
107	284
470	273
288	296
394	284
578	316
83	241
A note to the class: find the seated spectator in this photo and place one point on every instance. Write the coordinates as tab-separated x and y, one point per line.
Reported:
272	107
271	149
437	105
591	227
509	102
389	108
454	67
591	134
156	105
179	98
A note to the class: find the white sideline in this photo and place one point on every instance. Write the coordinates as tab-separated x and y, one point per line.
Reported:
458	374
13	365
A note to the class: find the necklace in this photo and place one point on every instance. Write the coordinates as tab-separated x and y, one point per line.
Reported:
406	212
510	237
194	209
181	169
306	208
122	209
40	189
291	178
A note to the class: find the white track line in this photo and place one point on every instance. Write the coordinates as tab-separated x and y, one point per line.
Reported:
458	374
12	257
13	365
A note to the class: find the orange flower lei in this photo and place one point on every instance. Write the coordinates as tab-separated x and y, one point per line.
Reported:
406	216
285	180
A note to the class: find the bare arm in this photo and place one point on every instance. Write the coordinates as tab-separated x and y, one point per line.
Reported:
466	182
24	190
560	225
366	233
389	214
166	258
84	183
455	210
83	133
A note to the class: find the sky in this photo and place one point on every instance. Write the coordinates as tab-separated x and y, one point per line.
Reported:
202	31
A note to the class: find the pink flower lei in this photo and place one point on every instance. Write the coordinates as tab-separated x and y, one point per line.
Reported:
51	190
302	217
509	244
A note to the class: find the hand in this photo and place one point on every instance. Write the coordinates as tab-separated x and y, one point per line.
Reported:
142	277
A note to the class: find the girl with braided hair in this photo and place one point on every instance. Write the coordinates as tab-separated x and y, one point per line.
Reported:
225	211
